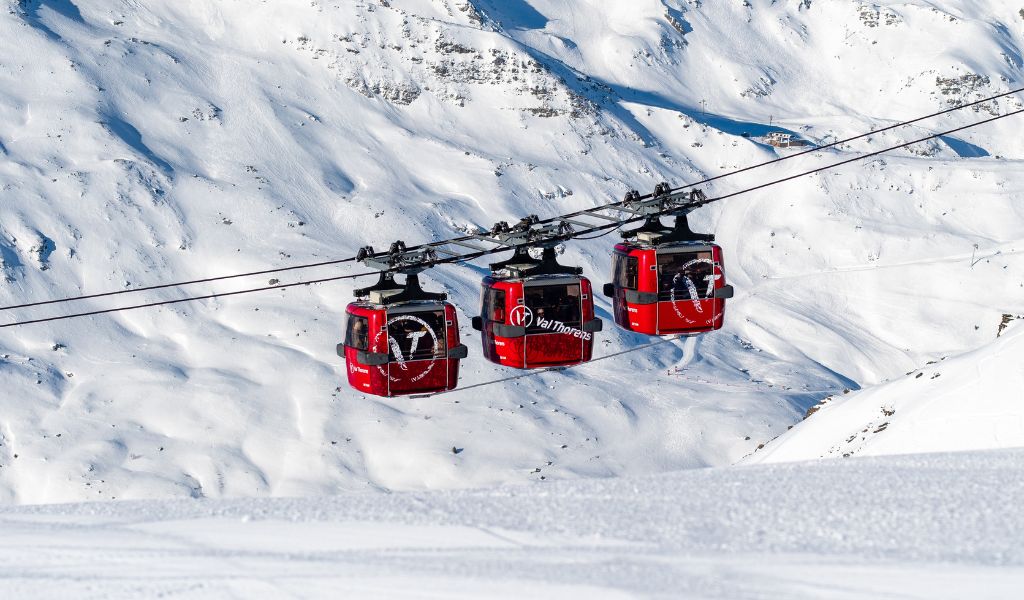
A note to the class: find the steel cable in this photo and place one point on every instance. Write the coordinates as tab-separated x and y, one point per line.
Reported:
471	237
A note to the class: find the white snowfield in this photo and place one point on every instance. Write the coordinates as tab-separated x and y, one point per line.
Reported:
939	526
157	141
968	402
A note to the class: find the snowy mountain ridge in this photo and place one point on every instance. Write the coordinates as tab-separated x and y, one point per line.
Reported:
975	405
149	142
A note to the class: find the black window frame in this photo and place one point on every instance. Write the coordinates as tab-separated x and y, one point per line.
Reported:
351	340
493	297
626	271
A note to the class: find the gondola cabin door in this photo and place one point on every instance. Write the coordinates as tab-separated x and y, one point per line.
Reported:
417	346
553	313
687	279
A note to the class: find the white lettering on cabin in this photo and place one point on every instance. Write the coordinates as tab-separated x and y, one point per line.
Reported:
522	316
415	337
560	327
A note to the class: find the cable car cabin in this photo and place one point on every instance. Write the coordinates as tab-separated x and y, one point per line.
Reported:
398	348
668	287
538	316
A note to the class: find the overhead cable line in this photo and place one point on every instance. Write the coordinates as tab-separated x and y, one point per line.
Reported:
551	369
869	155
161	286
464	240
665	340
809	150
614	224
851	139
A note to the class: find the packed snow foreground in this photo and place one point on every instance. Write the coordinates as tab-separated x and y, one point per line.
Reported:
148	142
924	527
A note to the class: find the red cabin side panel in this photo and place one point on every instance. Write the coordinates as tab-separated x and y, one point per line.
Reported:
418	344
553	349
588	315
634	316
682	316
719	318
644	317
453	341
547	342
366	378
552	343
511	351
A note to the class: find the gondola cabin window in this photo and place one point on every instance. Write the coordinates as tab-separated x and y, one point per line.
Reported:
357	333
494	305
625	271
552	306
416	336
685	276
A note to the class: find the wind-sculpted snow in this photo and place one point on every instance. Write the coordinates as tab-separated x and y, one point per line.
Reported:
968	402
927	527
148	142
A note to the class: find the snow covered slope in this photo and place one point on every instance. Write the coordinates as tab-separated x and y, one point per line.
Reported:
972	401
145	142
928	527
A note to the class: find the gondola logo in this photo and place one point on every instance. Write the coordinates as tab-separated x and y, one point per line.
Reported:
520	316
414	337
691	288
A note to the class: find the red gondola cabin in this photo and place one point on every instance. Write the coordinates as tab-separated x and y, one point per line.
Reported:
396	346
668	287
538	316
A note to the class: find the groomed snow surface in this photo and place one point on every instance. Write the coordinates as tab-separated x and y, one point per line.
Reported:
938	526
147	142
